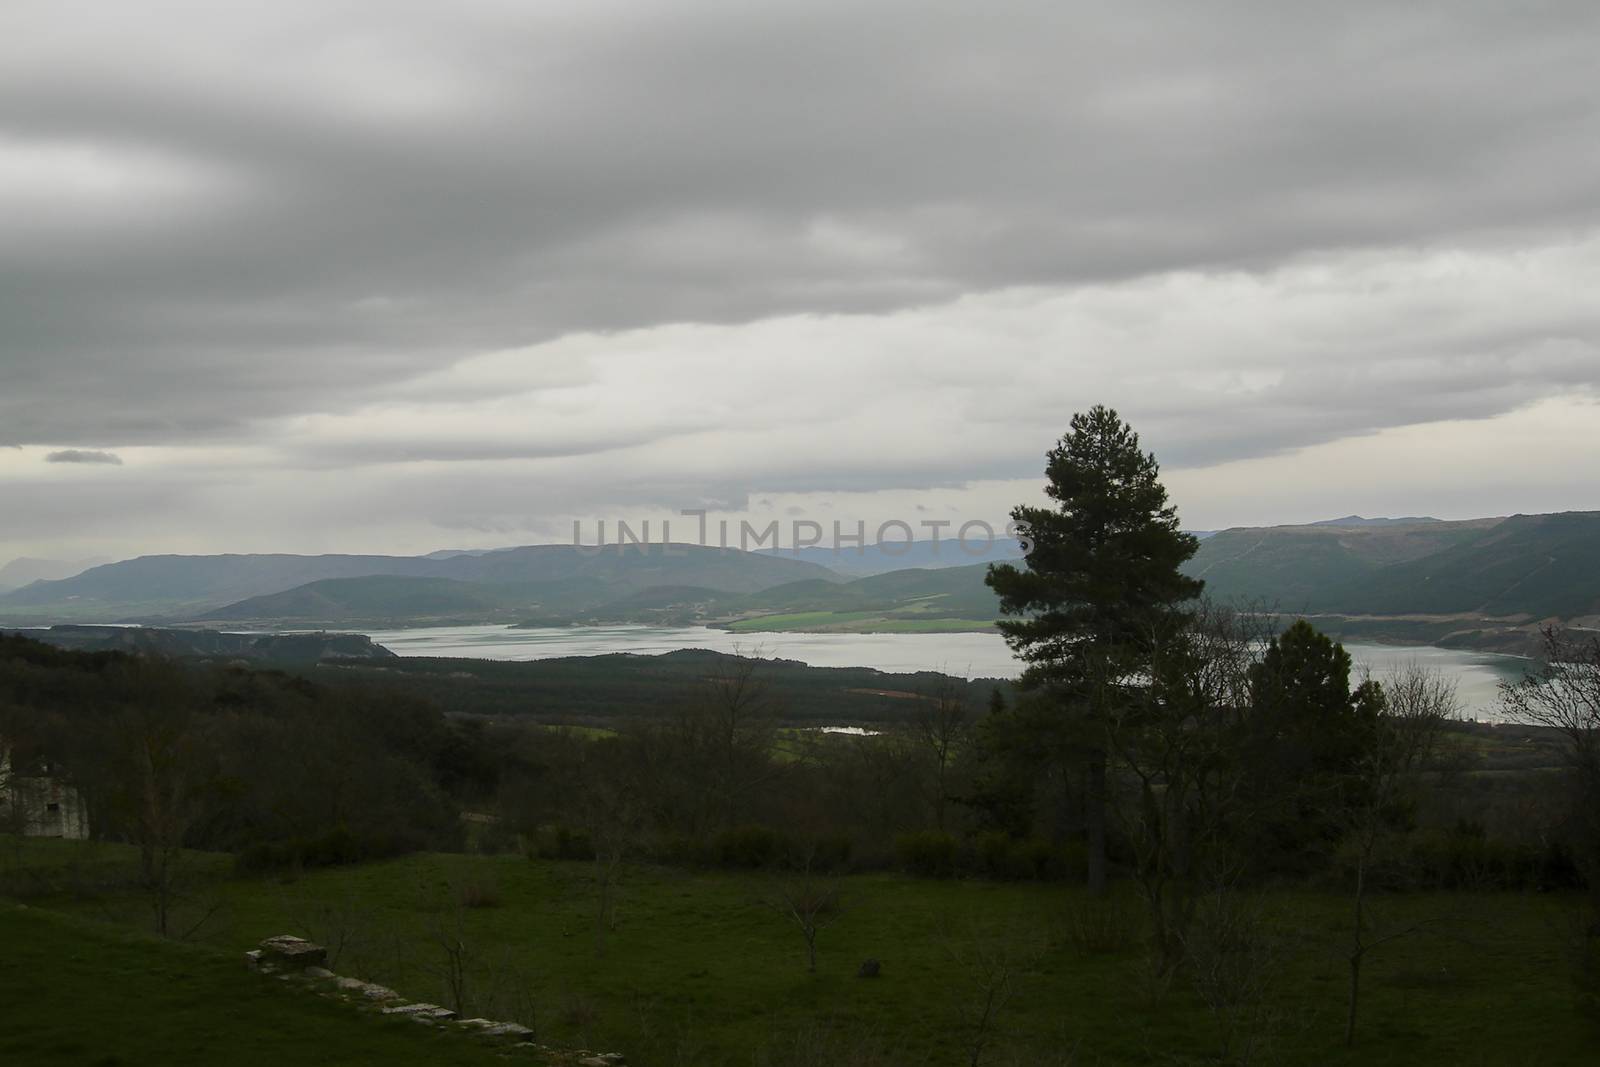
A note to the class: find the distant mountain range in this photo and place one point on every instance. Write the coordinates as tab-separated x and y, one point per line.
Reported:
1482	582
1357	520
25	571
190	587
1301	566
1487	583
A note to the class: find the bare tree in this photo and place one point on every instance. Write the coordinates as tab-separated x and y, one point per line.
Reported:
611	815
989	965
943	725
512	991
340	923
702	764
808	899
1563	695
1417	703
1173	740
1233	960
453	952
162	778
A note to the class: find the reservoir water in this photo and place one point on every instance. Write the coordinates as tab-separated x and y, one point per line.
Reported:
1477	675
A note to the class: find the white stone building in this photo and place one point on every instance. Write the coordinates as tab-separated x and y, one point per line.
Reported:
34	803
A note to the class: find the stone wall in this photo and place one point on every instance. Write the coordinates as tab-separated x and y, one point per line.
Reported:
297	960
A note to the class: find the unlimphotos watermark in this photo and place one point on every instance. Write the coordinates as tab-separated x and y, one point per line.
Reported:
975	538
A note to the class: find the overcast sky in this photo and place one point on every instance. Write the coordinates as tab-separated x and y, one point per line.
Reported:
397	276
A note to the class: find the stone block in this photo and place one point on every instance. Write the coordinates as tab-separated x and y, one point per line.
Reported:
288	953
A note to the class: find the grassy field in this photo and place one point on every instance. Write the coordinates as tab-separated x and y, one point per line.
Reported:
80	992
699	969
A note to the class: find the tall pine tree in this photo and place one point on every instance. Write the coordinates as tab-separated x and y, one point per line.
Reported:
1101	583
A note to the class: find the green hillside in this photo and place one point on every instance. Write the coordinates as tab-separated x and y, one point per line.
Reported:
1540	566
381	599
1299	567
633	569
916	600
1522	569
1537	566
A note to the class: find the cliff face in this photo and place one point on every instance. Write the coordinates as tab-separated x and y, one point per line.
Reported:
298	648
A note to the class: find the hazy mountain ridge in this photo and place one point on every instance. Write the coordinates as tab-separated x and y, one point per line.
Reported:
185	587
1360	520
1301	565
939	598
25	570
1482	581
381	598
1542	566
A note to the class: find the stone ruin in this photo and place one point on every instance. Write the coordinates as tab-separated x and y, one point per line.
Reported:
294	958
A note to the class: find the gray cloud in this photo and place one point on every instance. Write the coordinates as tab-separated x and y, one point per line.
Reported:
381	192
79	455
722	253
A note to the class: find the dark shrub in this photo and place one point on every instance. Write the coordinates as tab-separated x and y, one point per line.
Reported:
573	844
992	852
681	850
260	857
927	853
998	855
332	849
559	843
748	846
832	852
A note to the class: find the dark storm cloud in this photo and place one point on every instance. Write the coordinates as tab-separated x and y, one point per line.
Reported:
209	217
78	455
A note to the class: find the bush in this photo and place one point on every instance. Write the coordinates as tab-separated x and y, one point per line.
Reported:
993	855
998	855
832	852
335	848
259	857
332	849
573	844
748	846
1043	861
681	850
927	853
559	843
1465	858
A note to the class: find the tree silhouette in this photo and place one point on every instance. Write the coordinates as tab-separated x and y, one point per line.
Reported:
1101	581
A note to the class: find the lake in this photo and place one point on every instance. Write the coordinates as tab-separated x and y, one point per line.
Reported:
1477	675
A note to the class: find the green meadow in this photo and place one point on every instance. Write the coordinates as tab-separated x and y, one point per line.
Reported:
80	991
701	967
